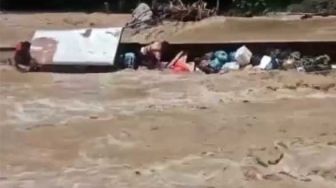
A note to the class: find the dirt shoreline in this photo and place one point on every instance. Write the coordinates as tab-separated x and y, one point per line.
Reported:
18	27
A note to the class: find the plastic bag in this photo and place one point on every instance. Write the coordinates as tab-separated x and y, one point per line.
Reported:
243	56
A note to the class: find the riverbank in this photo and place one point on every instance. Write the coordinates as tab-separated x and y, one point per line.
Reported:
17	27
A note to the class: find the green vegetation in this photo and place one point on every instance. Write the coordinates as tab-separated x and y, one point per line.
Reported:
242	6
261	5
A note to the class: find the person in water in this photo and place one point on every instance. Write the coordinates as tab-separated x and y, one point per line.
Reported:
149	56
23	60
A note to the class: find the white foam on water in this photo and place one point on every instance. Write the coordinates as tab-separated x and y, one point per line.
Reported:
48	110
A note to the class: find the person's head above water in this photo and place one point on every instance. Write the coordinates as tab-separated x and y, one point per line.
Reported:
158	45
164	44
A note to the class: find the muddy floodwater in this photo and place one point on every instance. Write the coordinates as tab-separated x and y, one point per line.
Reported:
152	129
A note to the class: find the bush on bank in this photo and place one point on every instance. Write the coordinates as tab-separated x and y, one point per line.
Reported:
125	6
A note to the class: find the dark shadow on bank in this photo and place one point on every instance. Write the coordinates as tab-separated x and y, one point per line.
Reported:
194	50
198	50
89	6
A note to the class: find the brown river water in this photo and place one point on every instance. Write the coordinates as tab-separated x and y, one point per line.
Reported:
153	129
